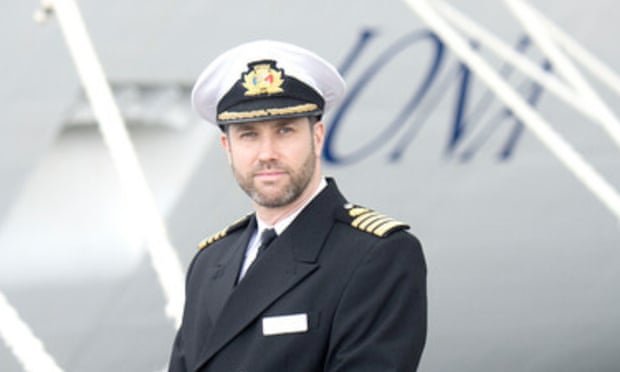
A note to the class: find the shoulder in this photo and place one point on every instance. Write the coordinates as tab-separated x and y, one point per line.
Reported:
238	224
369	221
388	241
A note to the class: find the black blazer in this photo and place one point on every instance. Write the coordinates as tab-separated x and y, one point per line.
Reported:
342	289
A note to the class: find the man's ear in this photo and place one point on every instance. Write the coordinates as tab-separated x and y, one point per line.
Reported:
318	135
225	142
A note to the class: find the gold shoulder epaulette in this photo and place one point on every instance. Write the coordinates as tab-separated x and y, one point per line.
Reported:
372	222
230	228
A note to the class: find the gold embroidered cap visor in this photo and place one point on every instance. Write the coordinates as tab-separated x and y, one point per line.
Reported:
265	80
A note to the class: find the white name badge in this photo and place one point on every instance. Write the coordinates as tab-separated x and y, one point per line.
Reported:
283	324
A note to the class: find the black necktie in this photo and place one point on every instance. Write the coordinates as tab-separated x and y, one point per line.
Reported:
266	238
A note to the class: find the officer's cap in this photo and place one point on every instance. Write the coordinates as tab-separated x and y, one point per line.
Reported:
264	80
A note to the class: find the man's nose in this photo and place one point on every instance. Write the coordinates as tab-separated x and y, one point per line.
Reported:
267	148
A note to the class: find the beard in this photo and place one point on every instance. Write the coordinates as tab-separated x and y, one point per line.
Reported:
299	180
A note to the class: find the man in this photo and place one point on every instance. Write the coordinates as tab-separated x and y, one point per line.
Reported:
340	287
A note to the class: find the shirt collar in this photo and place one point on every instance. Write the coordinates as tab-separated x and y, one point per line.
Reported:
281	225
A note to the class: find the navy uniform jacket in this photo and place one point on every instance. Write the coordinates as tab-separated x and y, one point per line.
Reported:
342	289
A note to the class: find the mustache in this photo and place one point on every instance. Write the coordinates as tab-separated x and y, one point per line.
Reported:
270	166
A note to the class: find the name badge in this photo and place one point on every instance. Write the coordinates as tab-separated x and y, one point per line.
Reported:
284	324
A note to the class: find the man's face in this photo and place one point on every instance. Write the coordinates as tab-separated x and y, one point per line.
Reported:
274	161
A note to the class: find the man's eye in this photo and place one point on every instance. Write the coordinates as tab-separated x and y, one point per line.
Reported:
284	130
247	135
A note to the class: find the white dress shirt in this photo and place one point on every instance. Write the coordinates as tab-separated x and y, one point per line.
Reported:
252	249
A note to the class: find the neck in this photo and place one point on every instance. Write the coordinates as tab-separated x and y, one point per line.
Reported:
271	216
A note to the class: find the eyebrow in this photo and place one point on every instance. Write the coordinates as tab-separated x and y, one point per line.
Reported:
276	123
243	126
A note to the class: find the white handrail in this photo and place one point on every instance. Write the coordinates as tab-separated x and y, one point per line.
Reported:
562	150
502	49
537	26
27	348
141	205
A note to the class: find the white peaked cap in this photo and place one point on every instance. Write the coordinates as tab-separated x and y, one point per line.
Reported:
226	71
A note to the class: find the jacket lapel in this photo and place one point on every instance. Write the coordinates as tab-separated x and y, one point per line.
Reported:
290	258
270	277
226	271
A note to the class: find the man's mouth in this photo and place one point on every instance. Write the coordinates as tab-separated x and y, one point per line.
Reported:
270	174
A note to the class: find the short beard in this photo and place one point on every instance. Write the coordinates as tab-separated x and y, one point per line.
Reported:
299	182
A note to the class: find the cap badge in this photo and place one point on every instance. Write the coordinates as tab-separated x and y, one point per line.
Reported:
262	78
